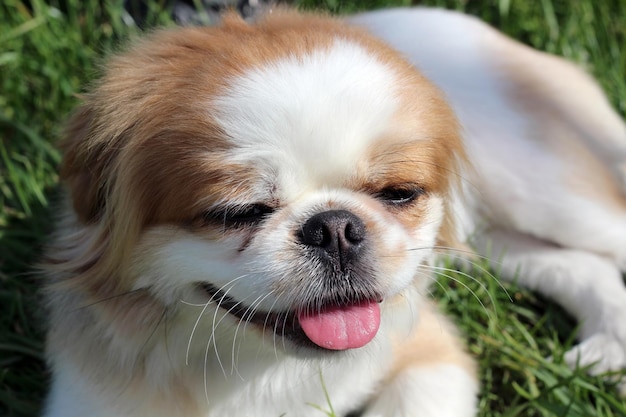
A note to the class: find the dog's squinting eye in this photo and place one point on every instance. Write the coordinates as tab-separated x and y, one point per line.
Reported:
398	196
250	215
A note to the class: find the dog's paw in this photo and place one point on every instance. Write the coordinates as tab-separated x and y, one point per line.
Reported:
601	352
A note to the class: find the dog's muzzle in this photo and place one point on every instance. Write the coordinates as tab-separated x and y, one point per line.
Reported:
339	307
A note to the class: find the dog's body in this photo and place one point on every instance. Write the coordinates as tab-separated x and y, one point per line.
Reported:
253	209
547	197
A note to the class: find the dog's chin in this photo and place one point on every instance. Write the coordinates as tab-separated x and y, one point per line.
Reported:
328	328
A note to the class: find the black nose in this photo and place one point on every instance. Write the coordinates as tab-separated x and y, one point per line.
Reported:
336	235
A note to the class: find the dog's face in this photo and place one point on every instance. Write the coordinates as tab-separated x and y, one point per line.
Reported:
289	176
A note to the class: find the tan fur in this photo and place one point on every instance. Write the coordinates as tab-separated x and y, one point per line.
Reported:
435	341
434	163
581	135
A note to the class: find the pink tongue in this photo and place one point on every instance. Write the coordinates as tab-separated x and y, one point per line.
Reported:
341	328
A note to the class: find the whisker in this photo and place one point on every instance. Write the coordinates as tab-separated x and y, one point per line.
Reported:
187	303
213	329
451	252
250	311
282	332
480	284
472	254
216	324
484	270
461	283
275	330
213	338
204	307
193	330
267	316
205	372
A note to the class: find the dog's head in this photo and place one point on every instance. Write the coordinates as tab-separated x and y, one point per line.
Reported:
292	174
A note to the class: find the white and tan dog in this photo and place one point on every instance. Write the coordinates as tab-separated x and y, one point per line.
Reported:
253	208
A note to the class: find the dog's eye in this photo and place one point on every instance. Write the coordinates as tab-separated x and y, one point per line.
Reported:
398	196
250	215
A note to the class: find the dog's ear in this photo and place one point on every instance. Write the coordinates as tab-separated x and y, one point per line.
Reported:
86	161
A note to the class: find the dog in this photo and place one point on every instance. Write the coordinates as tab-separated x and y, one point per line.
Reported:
252	212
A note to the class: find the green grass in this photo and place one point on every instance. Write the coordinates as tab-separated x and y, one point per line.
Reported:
520	339
49	50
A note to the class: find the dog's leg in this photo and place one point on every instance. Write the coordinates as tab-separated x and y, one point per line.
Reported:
433	375
587	285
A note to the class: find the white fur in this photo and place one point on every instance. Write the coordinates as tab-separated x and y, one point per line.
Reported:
310	119
426	392
260	391
251	378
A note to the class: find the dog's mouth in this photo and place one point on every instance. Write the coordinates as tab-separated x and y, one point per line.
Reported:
330	327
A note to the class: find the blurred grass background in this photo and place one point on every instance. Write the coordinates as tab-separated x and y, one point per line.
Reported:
49	52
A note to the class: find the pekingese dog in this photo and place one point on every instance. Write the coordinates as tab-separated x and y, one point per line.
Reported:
252	210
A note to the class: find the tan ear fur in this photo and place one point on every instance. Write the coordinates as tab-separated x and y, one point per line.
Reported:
92	255
83	167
